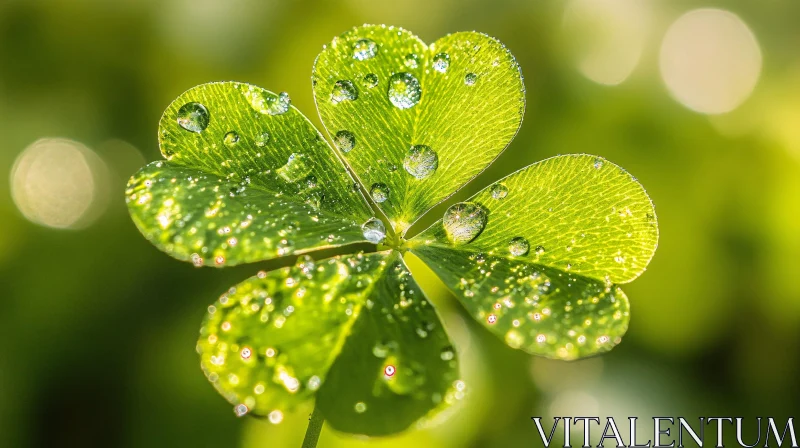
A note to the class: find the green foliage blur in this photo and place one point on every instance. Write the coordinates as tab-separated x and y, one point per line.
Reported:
100	327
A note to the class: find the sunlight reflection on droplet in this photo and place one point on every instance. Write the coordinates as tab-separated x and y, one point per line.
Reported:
609	36
710	61
57	182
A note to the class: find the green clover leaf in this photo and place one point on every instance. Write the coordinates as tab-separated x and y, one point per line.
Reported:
537	257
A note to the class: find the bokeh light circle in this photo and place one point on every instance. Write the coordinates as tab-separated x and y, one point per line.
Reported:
710	61
608	36
56	183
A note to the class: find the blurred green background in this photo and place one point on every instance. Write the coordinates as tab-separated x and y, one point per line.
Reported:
99	327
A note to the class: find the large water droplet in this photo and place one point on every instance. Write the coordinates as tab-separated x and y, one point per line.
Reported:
412	60
343	90
370	80
441	62
470	79
295	168
379	192
193	117
230	139
374	231
345	141
404	90
499	191
518	246
463	222
364	49
421	161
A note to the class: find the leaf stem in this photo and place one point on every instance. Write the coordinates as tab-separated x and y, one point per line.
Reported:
315	422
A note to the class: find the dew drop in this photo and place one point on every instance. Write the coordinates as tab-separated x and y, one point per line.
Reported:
193	117
374	231
370	80
294	169
360	407
389	371
404	90
345	141
343	90
598	163
499	191
412	60
265	102
364	49
463	222
421	161
441	62
230	139
470	79
518	246
379	192
539	250
492	319
262	139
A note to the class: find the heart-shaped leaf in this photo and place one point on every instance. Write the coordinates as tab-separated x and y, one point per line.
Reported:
356	330
534	257
414	121
247	178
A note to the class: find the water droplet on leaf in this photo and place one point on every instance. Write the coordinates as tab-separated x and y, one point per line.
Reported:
193	117
441	62
404	90
262	139
463	222
230	139
295	168
374	231
370	80
364	49
343	90
518	246
499	191
470	79
379	192
360	407
412	60
345	141
421	161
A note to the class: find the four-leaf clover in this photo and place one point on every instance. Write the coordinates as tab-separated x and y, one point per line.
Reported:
536	257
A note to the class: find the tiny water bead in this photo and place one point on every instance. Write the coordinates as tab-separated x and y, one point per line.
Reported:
262	139
404	90
421	161
441	62
240	410
379	192
374	231
463	222
370	80
360	407
389	371
539	250
598	163
193	117
470	79
491	319
518	246
499	191
345	141
412	60
343	90
364	49
230	139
